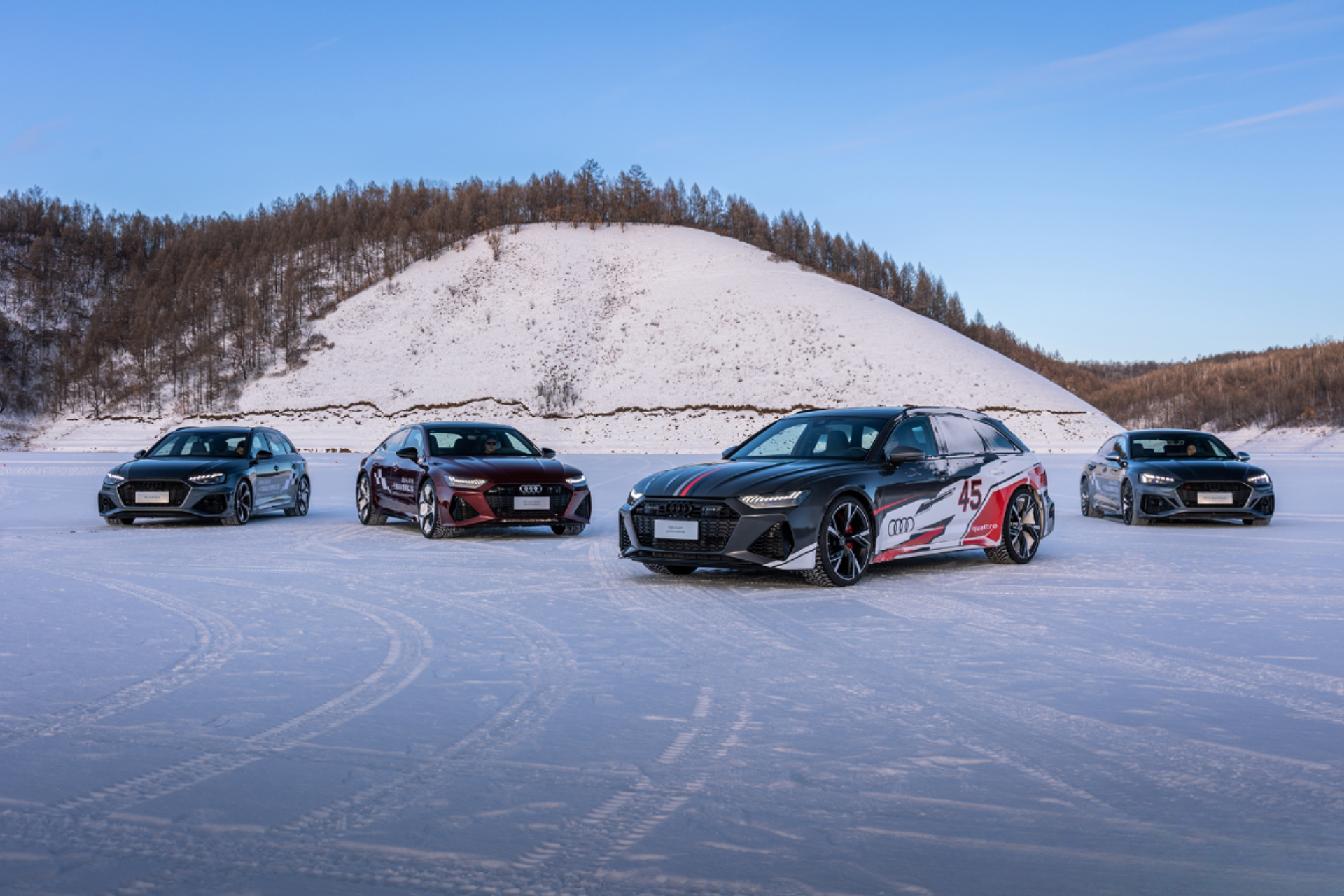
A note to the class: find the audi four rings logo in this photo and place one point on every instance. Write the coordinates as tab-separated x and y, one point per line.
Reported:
900	525
529	489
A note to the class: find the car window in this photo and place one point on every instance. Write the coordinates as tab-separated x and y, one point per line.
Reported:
996	441
260	443
196	443
831	436
416	439
1179	446
914	432
960	436
281	442
475	440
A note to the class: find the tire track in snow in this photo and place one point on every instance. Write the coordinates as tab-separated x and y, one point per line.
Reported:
407	656
216	641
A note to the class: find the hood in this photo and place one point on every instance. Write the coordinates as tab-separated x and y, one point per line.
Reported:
1201	470
731	478
178	467
506	469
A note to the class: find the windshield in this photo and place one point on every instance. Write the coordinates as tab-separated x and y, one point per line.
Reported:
1177	446
838	437
478	441
203	443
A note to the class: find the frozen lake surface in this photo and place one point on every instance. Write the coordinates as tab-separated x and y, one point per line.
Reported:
310	706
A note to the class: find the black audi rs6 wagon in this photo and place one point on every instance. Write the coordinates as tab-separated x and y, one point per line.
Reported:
225	473
827	493
1159	474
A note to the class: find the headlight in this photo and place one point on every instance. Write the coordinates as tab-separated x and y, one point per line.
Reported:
1258	479
464	482
206	479
762	502
113	478
577	481
1156	479
633	497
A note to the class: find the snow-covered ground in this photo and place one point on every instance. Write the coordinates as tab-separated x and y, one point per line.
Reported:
308	706
642	338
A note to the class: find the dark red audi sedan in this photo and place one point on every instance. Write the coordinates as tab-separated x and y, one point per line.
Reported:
451	477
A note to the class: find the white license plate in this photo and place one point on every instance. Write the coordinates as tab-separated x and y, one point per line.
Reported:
151	497
1214	498
540	503
681	530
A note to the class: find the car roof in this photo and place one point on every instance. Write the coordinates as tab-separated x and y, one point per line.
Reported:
481	423
1167	429
890	411
217	428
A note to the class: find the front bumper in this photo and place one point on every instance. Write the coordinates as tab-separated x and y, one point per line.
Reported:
731	535
1181	501
186	501
493	505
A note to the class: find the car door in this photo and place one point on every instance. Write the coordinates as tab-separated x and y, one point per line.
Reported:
409	471
970	475
1111	472
290	466
907	493
383	471
267	471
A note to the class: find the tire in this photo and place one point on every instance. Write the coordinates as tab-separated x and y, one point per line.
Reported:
302	494
1089	507
366	506
1128	512
242	506
662	570
1022	529
844	544
119	520
567	528
427	512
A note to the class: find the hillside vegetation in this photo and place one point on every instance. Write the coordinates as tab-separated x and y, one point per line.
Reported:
124	312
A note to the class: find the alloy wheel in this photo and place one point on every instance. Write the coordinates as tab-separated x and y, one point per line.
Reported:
242	503
428	508
849	540
301	497
1024	526
363	499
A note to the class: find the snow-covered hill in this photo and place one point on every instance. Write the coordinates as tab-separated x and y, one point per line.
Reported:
643	338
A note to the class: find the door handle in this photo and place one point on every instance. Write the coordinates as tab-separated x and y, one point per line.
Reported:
277	469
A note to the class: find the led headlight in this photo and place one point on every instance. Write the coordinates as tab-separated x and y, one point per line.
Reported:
206	479
763	502
464	482
577	481
113	478
633	496
1156	479
1258	479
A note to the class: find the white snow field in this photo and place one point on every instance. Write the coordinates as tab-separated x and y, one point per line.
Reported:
645	338
308	706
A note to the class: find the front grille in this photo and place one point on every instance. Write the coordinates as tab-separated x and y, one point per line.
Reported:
500	498
177	491
717	522
775	542
1189	493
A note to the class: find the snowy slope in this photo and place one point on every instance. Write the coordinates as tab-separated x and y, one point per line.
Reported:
642	338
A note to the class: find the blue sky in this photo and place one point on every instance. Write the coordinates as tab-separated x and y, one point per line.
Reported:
1118	181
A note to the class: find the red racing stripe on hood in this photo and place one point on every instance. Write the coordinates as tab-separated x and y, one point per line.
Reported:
686	489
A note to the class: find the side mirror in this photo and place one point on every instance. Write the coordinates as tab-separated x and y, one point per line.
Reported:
139	454
408	453
263	454
1116	457
548	453
728	452
901	454
1243	456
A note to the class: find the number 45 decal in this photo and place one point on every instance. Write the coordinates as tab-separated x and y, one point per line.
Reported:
971	498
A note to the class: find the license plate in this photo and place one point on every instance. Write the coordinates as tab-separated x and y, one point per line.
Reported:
539	503
151	497
1214	498
680	530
